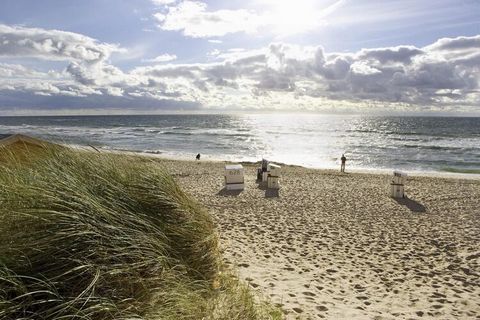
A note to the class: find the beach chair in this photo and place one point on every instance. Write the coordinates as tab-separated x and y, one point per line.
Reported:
397	186
234	177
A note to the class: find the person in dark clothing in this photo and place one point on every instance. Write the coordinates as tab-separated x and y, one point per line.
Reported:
264	165
198	156
342	166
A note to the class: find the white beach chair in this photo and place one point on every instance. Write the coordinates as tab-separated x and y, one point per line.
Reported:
397	186
234	177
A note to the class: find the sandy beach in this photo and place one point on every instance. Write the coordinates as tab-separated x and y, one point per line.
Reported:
335	246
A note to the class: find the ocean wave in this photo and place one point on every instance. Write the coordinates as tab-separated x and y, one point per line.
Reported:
209	133
409	139
445	148
178	133
372	131
438	135
152	151
460	170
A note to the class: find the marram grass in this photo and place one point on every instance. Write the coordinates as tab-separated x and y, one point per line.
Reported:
103	236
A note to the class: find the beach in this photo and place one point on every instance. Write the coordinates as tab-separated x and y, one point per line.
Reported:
336	246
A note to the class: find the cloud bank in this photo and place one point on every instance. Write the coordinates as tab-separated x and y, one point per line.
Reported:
443	76
16	41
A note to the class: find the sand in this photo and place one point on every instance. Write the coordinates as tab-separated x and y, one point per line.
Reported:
335	246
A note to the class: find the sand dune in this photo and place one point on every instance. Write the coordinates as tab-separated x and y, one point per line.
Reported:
335	246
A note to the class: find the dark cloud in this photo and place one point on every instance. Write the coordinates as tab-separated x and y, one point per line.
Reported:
401	54
30	101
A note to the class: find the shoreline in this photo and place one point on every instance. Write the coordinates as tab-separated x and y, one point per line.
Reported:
379	171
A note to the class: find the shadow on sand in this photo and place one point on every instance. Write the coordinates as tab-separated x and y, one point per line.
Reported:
411	204
229	193
271	193
261	185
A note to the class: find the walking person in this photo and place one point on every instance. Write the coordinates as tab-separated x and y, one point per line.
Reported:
344	160
198	156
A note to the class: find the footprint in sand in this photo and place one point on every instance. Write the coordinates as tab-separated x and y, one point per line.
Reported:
297	310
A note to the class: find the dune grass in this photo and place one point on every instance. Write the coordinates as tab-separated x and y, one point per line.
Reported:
103	236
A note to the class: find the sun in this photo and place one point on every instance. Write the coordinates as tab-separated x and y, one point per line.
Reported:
290	17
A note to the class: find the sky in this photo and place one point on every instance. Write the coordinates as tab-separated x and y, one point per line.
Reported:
154	56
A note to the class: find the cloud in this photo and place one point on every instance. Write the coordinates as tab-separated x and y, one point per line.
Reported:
282	18
461	50
362	68
280	76
400	54
454	44
162	58
398	75
194	20
16	71
16	41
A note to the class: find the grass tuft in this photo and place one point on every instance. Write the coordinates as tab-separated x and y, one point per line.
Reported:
103	236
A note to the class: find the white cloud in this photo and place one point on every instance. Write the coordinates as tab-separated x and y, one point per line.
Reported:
194	20
113	91
16	71
282	18
456	44
18	41
362	68
160	16
162	58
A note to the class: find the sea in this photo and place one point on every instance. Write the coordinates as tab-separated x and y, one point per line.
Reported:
425	144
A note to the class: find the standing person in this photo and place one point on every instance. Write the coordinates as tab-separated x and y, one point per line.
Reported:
198	156
342	166
264	165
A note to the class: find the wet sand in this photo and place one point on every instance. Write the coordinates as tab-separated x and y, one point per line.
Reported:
336	246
